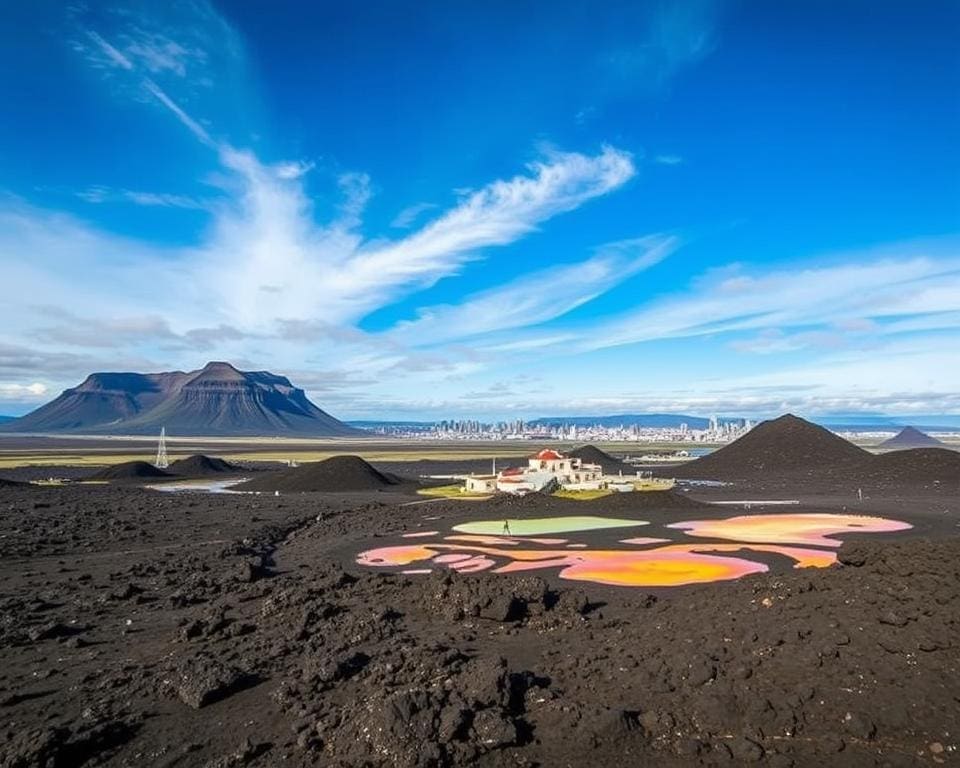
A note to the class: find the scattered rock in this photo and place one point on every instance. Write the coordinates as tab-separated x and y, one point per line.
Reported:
859	726
201	681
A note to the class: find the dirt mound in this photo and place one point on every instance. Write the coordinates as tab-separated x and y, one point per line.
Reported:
590	454
916	465
129	470
910	437
334	475
201	466
787	445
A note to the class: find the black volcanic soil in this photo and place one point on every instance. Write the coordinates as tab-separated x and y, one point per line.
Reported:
337	474
202	466
212	630
915	465
538	504
129	470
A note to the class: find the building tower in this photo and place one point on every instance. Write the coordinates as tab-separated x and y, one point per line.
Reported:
162	462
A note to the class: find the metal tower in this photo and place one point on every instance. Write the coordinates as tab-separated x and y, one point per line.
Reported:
162	462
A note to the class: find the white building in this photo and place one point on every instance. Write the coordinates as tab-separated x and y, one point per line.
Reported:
550	467
550	470
480	484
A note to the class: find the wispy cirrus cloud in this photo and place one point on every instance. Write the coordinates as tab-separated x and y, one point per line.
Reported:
676	36
268	237
406	218
668	159
497	214
919	279
101	194
155	41
286	268
267	269
537	296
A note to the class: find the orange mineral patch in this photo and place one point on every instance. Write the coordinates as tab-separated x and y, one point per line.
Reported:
809	529
799	537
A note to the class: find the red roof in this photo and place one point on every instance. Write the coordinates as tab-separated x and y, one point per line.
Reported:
548	454
512	471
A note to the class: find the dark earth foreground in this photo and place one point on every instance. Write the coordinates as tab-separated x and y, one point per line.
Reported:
154	629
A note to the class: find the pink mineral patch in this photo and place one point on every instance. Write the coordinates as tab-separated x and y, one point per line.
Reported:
809	529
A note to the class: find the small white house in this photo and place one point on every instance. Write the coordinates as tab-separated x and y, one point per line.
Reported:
480	484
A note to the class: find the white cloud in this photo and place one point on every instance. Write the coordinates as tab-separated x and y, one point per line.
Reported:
293	169
497	214
158	53
677	36
105	54
538	296
277	281
10	392
194	127
269	237
99	194
910	279
410	214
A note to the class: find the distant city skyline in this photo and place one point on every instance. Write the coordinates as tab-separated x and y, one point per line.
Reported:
492	211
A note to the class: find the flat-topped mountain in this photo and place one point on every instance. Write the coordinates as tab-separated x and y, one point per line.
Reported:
216	400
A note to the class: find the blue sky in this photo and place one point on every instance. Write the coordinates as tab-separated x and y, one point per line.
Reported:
488	209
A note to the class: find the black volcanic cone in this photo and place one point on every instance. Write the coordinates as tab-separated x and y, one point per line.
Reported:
910	437
334	475
590	454
129	470
784	446
202	466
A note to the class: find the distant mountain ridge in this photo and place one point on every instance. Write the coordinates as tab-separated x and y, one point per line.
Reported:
217	400
649	420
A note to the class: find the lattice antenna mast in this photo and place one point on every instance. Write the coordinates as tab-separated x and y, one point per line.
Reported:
162	462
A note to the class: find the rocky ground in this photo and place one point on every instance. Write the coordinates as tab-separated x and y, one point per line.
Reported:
145	628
